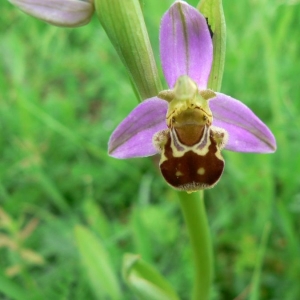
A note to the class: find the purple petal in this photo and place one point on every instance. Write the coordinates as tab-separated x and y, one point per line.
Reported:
133	137
185	45
67	13
247	133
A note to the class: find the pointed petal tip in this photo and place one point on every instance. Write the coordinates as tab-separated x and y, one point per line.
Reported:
271	147
271	142
248	142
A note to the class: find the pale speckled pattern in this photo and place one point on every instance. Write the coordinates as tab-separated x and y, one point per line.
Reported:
185	45
66	13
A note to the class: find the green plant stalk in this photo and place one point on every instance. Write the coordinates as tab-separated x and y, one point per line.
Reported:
124	24
193	209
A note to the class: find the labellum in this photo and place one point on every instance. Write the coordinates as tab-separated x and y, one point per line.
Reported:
191	147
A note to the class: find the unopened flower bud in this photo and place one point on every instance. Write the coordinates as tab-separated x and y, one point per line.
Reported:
65	13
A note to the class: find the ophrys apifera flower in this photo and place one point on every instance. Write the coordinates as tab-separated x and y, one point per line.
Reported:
189	124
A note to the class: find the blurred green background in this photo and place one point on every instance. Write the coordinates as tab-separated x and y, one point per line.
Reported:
63	91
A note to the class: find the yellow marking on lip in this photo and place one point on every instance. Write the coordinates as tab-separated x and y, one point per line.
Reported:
178	173
201	171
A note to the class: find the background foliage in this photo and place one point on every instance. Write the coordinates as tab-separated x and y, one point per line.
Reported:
63	91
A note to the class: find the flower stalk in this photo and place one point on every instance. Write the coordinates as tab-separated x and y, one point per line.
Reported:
124	24
193	209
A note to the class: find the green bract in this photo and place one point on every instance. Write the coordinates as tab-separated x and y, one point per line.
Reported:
124	24
213	12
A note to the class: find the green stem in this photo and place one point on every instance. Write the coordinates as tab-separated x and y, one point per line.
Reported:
125	26
194	213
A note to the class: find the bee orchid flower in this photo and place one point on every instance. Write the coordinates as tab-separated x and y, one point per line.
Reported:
189	124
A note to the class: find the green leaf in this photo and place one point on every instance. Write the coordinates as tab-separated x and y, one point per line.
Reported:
96	262
124	24
213	11
145	281
11	290
141	238
96	218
